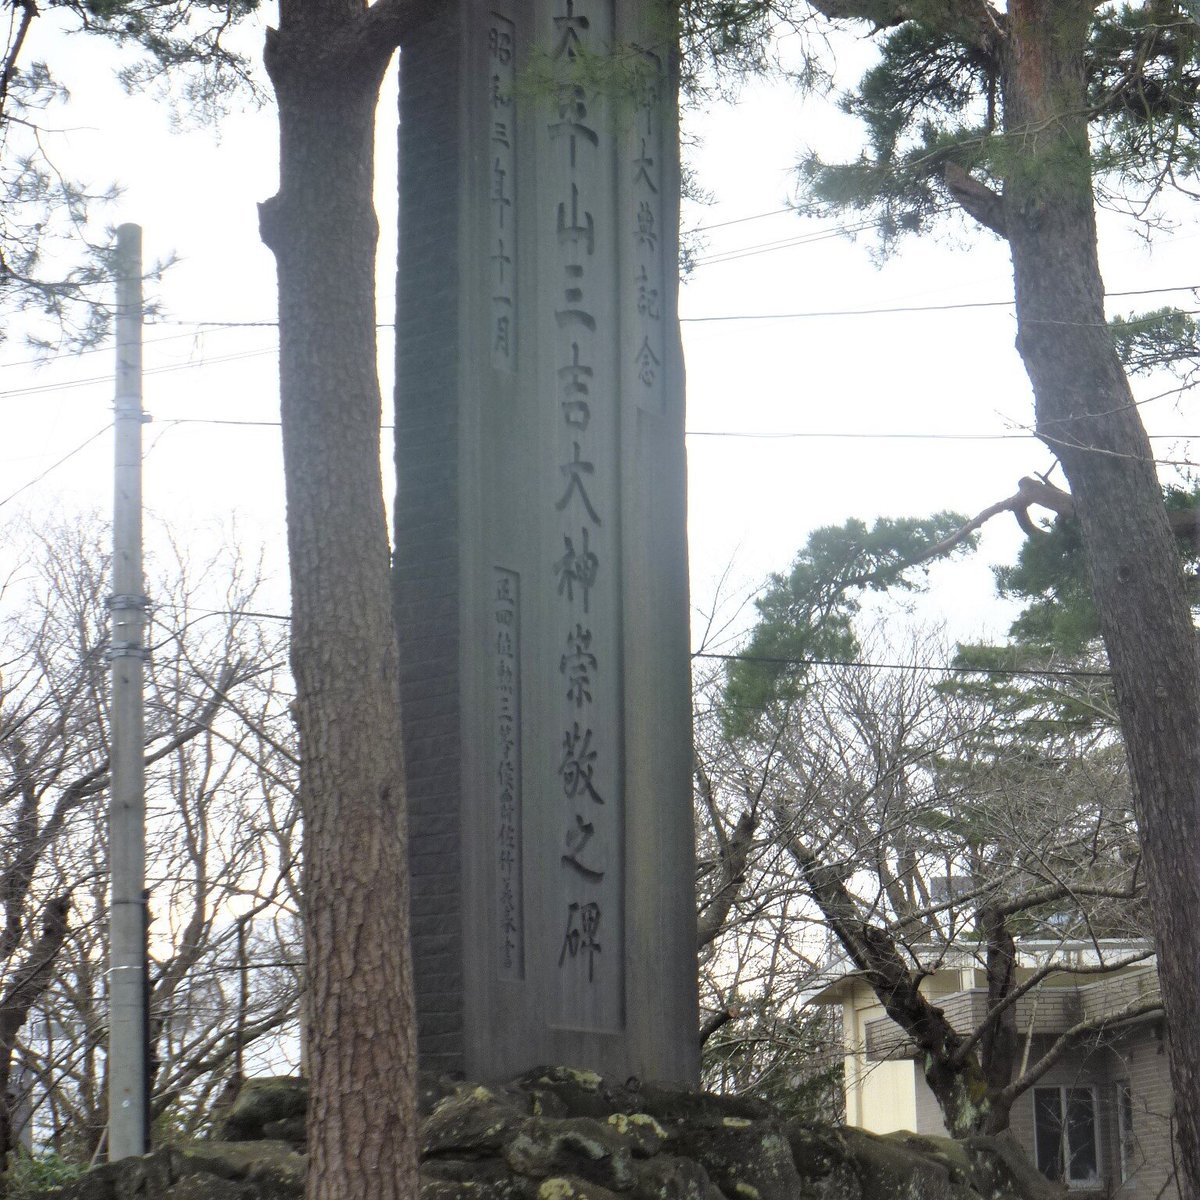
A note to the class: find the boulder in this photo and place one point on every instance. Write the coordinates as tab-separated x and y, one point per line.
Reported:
575	1147
473	1123
561	1134
747	1159
263	1103
891	1168
666	1177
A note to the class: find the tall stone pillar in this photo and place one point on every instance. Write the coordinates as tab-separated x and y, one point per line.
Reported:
541	568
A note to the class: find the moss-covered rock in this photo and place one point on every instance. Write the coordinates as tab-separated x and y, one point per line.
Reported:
746	1159
235	1160
210	1187
473	1124
645	1135
565	1091
486	1178
666	1177
821	1161
572	1146
951	1154
561	1134
889	1169
674	1105
564	1187
264	1102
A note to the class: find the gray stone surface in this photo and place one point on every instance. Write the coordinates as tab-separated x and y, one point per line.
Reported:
563	1135
263	1103
540	544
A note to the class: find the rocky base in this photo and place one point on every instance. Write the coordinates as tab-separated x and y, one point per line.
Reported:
560	1134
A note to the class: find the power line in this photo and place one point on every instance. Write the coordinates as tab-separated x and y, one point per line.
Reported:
944	668
228	421
842	229
775	212
785	316
918	308
846	312
1186	287
203	613
217	324
770	435
801	239
104	349
1052	672
95	380
241	324
714	433
749	434
803	315
55	465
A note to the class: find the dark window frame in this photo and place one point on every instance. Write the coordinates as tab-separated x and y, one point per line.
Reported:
1063	1117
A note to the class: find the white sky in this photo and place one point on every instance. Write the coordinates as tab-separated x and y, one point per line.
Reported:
836	385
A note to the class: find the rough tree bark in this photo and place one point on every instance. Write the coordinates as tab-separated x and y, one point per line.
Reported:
25	986
326	62
999	1040
953	1071
1086	414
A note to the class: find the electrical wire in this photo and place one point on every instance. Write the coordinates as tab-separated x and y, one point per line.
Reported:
1052	672
775	212
95	380
785	316
1018	672
55	465
920	308
770	435
748	434
847	312
801	239
104	349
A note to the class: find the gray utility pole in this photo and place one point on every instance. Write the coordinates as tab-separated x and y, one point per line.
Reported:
127	1124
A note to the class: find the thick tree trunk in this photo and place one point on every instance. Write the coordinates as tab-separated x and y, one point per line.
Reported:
1086	414
22	991
957	1080
327	69
998	1045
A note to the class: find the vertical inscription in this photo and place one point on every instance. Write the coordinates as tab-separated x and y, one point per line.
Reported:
502	195
506	709
643	288
579	231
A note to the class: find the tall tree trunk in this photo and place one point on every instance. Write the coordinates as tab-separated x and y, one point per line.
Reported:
24	987
326	62
957	1080
1086	415
998	1045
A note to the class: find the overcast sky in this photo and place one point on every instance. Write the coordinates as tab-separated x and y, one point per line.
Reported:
794	420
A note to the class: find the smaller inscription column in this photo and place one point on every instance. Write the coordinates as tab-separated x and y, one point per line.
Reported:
506	602
643	355
502	140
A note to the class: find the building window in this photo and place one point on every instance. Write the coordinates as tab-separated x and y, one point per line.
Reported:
1064	1132
1126	1138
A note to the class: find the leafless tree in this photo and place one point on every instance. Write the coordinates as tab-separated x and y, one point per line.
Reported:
900	820
221	815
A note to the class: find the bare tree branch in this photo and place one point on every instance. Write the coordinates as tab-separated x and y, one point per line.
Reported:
1070	1039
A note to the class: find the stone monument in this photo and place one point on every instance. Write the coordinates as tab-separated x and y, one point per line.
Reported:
540	541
